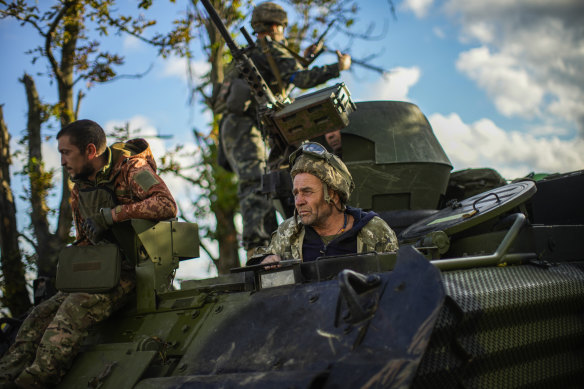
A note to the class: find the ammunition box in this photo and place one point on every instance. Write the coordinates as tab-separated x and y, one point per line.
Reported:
315	114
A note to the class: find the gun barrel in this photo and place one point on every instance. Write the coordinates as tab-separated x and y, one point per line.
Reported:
221	27
247	37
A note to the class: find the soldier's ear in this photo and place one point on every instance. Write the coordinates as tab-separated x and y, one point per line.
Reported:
334	196
91	151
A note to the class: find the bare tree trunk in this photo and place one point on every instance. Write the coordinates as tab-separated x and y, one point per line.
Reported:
67	115
227	236
15	295
47	245
226	233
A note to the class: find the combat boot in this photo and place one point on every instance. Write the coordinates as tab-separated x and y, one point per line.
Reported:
26	380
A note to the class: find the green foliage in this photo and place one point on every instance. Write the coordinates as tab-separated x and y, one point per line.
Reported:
65	22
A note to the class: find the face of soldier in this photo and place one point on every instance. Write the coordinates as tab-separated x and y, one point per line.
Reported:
276	32
309	200
77	163
334	140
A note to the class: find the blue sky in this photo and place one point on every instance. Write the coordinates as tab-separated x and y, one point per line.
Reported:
501	82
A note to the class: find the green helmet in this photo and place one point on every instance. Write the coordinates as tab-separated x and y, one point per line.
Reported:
266	14
314	159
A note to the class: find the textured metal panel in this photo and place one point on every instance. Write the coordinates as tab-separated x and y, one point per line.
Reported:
508	327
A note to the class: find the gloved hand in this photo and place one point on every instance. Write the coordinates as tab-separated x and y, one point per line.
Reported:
97	225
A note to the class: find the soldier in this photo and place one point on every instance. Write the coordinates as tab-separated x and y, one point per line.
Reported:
112	184
241	139
323	224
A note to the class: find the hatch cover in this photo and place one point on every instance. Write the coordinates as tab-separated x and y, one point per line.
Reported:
472	211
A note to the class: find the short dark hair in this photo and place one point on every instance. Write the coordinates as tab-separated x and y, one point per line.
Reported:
84	132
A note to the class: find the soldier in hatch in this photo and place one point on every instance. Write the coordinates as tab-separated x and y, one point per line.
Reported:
241	139
323	224
112	184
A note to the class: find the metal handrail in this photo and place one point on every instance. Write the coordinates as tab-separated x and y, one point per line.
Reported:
499	256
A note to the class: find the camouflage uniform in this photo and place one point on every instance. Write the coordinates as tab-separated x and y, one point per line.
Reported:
288	240
292	239
51	335
243	144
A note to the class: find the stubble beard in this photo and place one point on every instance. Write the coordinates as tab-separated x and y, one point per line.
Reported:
314	219
85	172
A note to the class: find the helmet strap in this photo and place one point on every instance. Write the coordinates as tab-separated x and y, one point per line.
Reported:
330	201
327	198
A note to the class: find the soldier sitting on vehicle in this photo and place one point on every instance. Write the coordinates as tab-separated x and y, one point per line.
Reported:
112	184
323	223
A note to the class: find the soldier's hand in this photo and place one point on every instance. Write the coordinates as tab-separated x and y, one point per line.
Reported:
311	50
344	61
272	259
97	225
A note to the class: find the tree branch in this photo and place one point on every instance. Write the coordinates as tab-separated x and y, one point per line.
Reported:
80	96
49	39
127	76
30	241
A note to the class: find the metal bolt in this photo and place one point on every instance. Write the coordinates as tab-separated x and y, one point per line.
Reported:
219	309
313	298
195	314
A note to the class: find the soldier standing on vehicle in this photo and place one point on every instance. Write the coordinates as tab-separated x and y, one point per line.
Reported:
112	184
323	224
241	140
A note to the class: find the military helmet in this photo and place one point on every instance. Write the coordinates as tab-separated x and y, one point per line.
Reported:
313	158
266	14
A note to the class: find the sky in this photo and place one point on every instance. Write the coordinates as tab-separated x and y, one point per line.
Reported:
501	83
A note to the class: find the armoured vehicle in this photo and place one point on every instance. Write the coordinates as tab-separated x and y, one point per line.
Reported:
484	292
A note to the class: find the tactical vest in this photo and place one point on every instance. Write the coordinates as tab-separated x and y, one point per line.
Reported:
101	194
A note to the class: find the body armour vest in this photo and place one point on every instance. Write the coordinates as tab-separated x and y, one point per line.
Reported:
101	194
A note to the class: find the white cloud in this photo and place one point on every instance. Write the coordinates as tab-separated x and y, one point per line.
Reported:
513	154
392	86
178	67
131	43
418	7
483	32
439	32
506	82
527	48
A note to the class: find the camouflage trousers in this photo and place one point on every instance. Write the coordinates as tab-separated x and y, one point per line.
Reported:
49	338
246	153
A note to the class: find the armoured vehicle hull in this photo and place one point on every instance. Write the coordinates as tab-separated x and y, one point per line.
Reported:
485	292
501	307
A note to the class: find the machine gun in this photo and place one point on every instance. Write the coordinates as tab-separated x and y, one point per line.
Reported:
285	123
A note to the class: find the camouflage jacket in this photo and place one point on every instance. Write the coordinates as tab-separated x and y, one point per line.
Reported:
288	239
139	192
291	70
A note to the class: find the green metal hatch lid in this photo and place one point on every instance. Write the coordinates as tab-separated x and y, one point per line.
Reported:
472	211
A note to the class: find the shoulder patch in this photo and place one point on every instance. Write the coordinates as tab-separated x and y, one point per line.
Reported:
146	180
